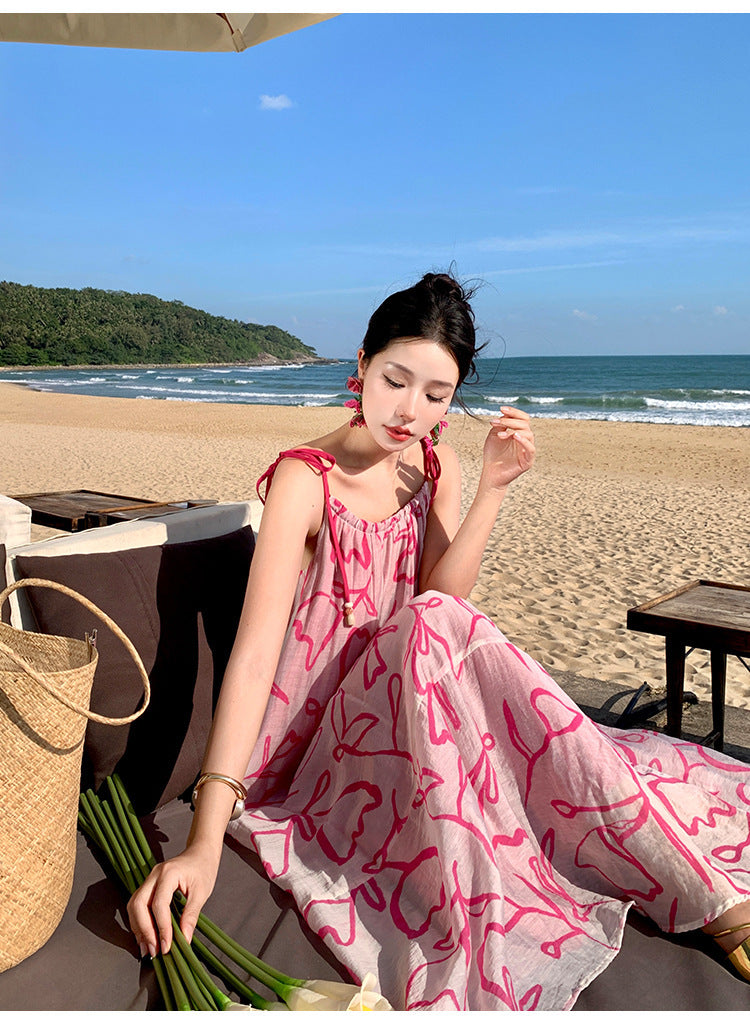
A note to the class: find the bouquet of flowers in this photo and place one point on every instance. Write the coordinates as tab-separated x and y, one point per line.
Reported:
184	973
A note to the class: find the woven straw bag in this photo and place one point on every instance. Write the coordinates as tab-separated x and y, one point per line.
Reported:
45	685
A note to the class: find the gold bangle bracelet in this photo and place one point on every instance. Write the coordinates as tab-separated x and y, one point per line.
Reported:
237	787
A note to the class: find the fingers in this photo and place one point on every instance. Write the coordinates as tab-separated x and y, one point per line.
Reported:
514	423
528	454
512	419
150	908
516	452
525	439
149	911
189	919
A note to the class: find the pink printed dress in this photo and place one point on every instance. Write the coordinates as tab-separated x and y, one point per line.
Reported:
444	815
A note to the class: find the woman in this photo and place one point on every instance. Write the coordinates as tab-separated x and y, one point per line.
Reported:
444	814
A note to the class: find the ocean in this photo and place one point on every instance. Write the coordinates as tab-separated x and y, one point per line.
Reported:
701	390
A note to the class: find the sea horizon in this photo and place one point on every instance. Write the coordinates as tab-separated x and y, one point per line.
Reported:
705	390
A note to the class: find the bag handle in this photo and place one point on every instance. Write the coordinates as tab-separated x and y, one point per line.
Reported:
46	583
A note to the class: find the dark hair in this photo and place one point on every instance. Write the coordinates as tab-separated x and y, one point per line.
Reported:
437	307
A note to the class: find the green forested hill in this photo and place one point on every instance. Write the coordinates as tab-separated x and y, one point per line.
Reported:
61	326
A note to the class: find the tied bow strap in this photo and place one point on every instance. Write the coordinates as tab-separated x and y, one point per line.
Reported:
324	463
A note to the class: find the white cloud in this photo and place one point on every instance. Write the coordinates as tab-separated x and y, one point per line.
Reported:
720	310
588	316
678	308
592	239
549	268
281	102
614	244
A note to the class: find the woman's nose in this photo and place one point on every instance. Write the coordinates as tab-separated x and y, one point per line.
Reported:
407	406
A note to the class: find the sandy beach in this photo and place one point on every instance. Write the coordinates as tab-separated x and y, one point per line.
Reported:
611	515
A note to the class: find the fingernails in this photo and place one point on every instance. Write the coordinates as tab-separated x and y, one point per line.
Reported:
142	948
164	946
152	950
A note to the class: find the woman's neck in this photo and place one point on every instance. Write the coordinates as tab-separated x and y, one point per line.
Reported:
360	452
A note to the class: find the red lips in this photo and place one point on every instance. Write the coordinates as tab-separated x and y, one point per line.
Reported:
397	434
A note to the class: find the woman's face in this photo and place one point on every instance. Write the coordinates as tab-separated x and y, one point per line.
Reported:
406	390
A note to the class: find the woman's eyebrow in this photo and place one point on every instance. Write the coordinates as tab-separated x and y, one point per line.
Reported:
408	372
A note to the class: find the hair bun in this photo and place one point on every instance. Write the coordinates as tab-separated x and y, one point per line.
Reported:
444	285
437	308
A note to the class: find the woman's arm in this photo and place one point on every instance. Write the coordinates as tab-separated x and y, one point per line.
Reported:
452	555
293	512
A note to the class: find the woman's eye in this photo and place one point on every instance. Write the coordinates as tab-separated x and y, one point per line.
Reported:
392	383
435	400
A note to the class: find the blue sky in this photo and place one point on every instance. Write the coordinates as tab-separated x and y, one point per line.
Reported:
591	169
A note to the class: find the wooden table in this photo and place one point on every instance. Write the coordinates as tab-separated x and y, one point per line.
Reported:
708	615
74	510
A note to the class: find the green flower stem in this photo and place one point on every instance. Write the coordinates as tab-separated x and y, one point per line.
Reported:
197	998
121	843
113	845
183	979
130	826
135	823
195	964
163	983
99	820
233	982
194	985
180	994
99	836
265	974
90	831
202	990
165	974
120	822
253	965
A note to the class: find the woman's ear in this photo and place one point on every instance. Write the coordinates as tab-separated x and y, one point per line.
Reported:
361	363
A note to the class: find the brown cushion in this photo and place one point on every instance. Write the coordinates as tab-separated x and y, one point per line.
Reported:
5	609
180	606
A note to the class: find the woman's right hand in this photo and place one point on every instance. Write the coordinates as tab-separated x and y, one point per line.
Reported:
194	873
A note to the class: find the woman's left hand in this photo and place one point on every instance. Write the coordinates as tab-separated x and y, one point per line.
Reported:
509	448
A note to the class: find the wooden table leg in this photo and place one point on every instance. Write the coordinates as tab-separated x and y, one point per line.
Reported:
718	694
675	684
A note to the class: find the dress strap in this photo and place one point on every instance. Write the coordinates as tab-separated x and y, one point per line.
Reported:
310	455
324	463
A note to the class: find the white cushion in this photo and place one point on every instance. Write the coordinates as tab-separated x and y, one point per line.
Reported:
15	522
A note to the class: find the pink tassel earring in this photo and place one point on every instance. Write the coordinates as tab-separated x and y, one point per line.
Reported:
354	384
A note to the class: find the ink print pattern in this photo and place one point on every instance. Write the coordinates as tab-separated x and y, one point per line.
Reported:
445	816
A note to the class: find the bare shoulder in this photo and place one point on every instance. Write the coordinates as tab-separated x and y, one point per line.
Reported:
295	493
295	476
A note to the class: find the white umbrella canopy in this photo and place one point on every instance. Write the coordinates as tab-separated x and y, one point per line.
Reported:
208	33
